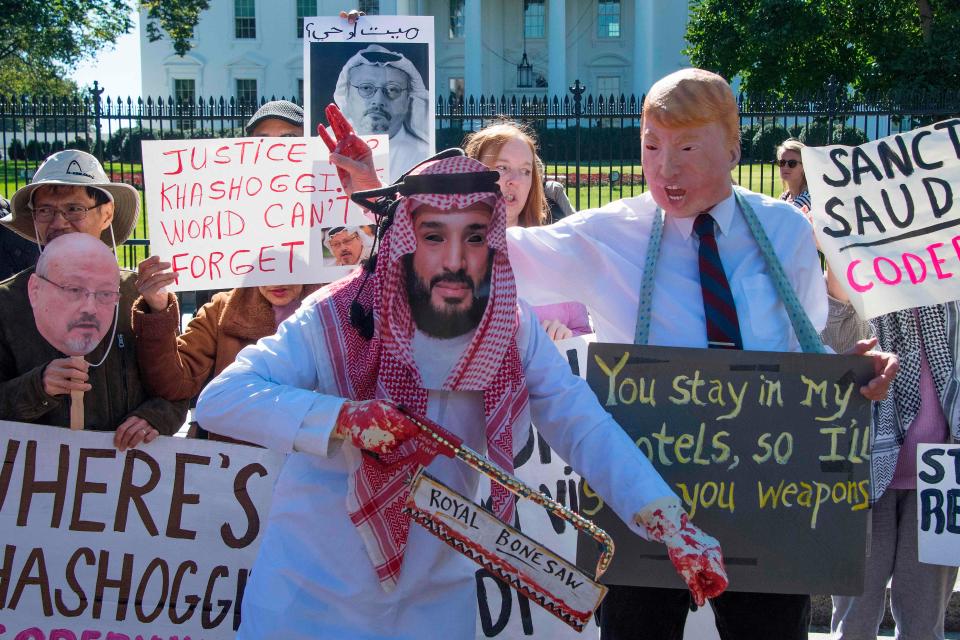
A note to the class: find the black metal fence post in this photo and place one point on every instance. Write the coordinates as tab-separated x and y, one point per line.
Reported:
577	90
98	146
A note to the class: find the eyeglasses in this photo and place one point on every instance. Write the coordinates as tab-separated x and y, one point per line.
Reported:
79	294
790	163
336	244
391	91
70	213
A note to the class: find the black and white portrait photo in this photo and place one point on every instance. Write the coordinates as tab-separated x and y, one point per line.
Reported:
381	78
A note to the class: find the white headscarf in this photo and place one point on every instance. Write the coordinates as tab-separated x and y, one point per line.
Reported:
418	118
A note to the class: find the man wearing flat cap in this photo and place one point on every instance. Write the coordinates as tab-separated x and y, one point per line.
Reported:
276	119
70	193
382	92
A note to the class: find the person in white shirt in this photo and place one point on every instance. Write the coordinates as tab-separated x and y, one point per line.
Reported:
635	264
432	323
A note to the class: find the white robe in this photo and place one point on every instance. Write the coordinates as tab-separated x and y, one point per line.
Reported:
313	578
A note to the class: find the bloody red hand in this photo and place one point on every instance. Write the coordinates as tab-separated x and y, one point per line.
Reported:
695	555
375	425
355	169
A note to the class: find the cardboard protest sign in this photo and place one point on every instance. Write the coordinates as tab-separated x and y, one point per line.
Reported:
887	217
379	71
769	453
502	612
938	503
156	541
231	212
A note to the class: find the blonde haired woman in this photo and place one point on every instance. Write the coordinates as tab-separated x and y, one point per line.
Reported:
791	173
511	149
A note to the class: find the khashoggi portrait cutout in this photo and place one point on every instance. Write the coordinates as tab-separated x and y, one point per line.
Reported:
74	293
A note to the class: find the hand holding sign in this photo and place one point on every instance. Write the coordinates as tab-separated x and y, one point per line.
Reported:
695	555
153	277
885	367
351	155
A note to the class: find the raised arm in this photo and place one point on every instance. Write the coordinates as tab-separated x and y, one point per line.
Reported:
555	263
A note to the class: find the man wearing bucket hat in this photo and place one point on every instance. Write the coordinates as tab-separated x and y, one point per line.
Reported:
71	193
432	323
381	91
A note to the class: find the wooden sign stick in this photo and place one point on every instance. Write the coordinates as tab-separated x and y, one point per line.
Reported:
76	404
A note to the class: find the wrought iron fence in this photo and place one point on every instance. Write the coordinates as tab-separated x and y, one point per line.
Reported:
589	143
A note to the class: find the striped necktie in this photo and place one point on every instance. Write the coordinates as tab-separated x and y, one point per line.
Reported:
723	327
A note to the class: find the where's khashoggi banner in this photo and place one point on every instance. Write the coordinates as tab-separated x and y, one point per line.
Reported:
151	542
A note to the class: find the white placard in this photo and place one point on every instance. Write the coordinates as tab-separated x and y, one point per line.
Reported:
525	562
342	61
242	212
887	217
502	612
938	503
154	541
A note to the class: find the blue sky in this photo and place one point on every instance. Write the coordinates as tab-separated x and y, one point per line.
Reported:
116	68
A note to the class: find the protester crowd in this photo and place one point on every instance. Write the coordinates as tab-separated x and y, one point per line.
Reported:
440	322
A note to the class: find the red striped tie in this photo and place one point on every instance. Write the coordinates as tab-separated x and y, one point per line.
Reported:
723	327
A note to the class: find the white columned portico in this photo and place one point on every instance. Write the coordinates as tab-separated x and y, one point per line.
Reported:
642	16
473	48
557	80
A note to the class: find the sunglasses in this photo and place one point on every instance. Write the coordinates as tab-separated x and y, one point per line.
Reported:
790	163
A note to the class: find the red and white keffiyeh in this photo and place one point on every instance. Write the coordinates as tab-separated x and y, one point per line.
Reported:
383	367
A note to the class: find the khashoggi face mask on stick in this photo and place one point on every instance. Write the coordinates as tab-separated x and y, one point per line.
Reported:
74	294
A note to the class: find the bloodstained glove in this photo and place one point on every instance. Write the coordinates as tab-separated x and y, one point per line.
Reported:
355	169
695	555
375	425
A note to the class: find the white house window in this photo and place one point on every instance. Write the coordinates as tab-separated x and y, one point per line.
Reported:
608	18
185	90
246	90
456	18
305	9
534	19
608	85
245	19
369	7
456	88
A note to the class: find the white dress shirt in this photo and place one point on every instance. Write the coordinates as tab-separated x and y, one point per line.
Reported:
597	257
312	577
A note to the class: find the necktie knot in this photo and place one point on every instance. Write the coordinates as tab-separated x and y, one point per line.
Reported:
703	225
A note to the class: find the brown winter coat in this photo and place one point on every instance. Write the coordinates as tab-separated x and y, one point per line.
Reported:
178	367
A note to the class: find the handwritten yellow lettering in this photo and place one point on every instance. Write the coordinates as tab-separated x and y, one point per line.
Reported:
612	373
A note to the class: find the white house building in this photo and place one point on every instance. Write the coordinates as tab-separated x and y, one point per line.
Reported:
254	48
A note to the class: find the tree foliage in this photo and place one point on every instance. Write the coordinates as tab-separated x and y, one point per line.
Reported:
41	40
787	47
176	18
